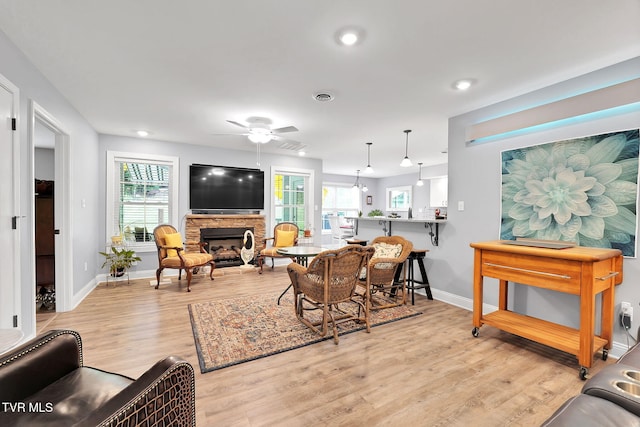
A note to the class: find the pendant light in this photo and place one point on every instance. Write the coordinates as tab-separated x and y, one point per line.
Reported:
420	183
357	183
369	169
406	162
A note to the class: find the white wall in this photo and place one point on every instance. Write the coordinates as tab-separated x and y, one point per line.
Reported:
84	157
44	163
475	178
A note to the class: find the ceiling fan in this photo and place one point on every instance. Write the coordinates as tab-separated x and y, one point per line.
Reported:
259	129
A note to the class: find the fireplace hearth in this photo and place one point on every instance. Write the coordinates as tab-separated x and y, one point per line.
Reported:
224	244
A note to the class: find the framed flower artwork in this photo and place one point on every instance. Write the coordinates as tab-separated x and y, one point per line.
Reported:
582	190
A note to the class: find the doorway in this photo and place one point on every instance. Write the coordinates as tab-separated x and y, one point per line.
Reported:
44	194
292	196
52	285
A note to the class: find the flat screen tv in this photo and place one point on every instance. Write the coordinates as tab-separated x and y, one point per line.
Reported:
225	188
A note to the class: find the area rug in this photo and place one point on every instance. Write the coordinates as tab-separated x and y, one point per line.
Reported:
232	331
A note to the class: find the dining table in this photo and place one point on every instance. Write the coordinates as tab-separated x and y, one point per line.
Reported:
301	255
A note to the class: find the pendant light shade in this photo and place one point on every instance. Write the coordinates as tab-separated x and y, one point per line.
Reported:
357	183
369	169
420	183
406	162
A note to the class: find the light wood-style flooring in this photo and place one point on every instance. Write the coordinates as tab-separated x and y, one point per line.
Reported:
424	371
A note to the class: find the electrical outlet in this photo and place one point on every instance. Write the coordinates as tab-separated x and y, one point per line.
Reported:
625	321
627	309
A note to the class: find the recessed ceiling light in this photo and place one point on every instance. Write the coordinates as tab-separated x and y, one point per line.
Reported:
463	84
301	153
143	132
349	36
323	97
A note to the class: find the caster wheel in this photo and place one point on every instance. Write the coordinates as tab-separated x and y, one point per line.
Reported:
605	354
583	373
475	332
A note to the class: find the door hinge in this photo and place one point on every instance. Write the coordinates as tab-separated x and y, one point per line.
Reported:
14	124
15	321
14	222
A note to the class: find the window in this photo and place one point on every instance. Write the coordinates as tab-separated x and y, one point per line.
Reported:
399	198
340	200
292	196
141	194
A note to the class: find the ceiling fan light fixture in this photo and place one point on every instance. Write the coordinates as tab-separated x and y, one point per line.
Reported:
259	137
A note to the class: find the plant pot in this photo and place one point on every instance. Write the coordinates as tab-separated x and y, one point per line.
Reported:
119	272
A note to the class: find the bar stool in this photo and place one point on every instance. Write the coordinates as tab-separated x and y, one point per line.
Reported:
412	282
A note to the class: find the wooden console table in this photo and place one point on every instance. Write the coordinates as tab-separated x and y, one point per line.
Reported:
580	271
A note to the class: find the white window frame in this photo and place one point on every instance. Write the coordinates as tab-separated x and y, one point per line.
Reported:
114	157
308	174
339	208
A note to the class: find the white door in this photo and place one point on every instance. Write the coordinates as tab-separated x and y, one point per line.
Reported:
9	291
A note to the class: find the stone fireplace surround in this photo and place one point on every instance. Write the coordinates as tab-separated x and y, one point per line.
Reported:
196	222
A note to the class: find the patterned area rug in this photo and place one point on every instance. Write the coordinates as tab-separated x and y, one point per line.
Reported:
232	331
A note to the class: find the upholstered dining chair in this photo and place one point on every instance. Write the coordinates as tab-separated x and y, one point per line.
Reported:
284	234
171	254
329	280
378	285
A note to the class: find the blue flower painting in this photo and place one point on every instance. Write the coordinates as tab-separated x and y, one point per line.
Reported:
582	190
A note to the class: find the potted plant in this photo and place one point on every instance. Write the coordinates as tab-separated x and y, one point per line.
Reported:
376	212
119	260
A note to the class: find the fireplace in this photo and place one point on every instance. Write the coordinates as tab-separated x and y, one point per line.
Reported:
224	244
241	222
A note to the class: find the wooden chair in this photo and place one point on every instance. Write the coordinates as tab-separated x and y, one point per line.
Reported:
284	234
330	279
171	254
378	286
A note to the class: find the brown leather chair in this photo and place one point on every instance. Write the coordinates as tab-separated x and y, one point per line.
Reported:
46	381
171	254
284	234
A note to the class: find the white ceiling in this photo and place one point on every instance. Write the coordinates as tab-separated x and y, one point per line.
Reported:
180	69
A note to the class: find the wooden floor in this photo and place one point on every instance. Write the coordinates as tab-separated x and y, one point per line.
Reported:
424	371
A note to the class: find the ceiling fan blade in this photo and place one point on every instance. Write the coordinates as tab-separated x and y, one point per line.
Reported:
285	129
230	134
237	124
286	140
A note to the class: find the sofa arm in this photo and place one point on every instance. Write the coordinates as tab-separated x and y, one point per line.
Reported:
163	395
38	363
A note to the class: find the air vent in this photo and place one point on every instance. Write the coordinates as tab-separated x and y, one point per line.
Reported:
323	97
291	145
